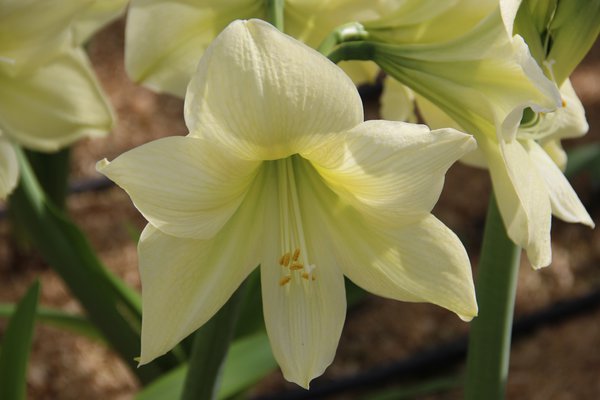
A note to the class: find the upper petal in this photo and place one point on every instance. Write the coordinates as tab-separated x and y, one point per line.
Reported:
266	96
186	281
565	203
9	168
184	186
55	105
165	59
390	171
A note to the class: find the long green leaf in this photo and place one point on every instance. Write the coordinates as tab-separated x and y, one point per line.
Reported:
112	306
60	319
249	360
16	346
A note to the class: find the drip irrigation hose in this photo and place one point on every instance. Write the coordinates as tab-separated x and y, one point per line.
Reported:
441	356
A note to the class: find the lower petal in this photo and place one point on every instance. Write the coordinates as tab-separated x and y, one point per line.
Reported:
565	203
523	198
186	281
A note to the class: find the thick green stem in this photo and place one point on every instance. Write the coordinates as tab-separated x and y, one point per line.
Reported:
211	343
275	13
489	339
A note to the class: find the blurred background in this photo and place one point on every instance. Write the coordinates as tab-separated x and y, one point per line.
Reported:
388	349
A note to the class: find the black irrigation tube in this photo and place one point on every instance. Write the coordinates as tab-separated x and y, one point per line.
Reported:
441	356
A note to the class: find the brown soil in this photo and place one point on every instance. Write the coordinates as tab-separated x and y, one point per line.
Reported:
558	362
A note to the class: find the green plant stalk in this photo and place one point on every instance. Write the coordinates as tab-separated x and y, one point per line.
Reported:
52	172
490	334
211	343
275	13
112	306
17	346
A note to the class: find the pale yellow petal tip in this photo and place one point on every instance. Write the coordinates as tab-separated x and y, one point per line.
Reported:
102	164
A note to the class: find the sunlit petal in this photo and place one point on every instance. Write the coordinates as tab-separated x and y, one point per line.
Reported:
392	171
265	100
184	186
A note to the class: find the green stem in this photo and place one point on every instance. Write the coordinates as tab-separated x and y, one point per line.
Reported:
211	343
275	13
357	50
353	31
489	339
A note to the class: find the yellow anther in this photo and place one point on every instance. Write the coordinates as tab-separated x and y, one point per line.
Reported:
296	254
563	102
284	261
305	275
296	266
284	280
313	277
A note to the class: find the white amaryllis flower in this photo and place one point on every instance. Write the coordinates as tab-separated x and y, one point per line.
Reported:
484	80
280	170
49	95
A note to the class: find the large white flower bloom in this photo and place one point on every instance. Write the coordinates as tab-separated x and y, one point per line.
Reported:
280	170
49	95
481	82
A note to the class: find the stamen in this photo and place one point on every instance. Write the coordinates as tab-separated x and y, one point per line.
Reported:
284	261
305	275
296	254
284	280
563	102
296	266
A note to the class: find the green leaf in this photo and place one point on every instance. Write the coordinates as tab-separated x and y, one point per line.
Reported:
584	158
248	361
16	347
59	319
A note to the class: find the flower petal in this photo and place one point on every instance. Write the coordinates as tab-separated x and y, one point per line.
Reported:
423	261
165	59
33	31
397	102
94	17
523	198
482	80
56	105
184	186
267	96
9	168
186	281
390	171
565	203
304	317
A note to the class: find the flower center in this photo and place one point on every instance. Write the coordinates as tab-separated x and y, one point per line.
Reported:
294	261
